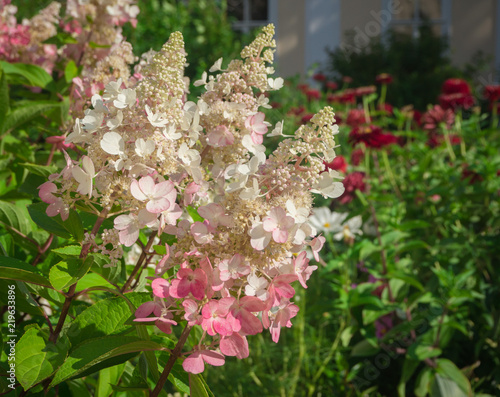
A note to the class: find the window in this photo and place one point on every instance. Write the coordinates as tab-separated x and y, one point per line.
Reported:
249	14
409	15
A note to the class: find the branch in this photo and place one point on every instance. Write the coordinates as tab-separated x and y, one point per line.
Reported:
171	361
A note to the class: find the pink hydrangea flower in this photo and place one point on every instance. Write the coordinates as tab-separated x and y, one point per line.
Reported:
195	363
241	318
189	281
274	320
302	268
279	224
234	345
220	136
257	127
214	317
130	224
157	194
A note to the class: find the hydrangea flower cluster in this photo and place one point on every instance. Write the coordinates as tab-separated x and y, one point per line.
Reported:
197	171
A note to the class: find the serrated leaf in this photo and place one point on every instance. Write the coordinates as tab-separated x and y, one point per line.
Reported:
23	114
69	251
42	170
105	317
27	74
91	280
36	357
95	351
68	272
14	269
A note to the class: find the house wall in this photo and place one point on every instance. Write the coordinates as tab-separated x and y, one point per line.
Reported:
290	37
472	29
306	27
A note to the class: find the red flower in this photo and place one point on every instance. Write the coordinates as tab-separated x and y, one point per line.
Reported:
455	86
386	109
312	94
331	85
337	164
384	78
347	80
303	87
297	111
372	136
492	93
453	101
357	156
352	182
306	118
433	117
468	173
319	77
345	97
362	91
355	118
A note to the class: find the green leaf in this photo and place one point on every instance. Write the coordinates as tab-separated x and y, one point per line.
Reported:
71	227
411	246
69	251
444	387
60	39
39	216
70	71
105	317
68	272
27	74
4	97
109	273
448	369
408	279
95	351
197	386
15	217
23	114
421	351
422	385
409	367
93	44
36	357
91	280
194	214
42	170
14	269
363	348
108	377
414	224
367	248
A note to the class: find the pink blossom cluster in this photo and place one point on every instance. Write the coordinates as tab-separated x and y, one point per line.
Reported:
196	172
13	36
